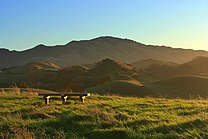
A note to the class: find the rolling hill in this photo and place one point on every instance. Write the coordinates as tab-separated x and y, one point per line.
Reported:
181	87
102	72
153	70
111	77
31	74
47	75
178	87
143	64
198	66
94	50
121	87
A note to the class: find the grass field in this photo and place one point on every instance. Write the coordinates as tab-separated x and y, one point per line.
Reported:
24	115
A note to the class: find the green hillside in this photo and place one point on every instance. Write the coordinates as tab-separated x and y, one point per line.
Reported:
24	115
177	87
152	70
181	86
113	77
48	75
121	87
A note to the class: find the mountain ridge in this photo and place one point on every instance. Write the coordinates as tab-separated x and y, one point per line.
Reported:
94	50
95	39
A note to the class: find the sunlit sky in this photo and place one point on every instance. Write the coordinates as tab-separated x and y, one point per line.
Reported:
176	23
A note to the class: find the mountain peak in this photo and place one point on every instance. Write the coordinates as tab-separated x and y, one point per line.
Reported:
112	65
111	38
108	60
40	46
106	38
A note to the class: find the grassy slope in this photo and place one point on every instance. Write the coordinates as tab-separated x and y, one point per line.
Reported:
102	117
121	87
181	86
177	87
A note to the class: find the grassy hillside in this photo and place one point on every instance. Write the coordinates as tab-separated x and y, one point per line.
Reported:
177	87
24	115
198	66
181	86
112	77
50	76
156	70
143	64
121	87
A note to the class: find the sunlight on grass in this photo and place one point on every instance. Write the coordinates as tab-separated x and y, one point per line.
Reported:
26	116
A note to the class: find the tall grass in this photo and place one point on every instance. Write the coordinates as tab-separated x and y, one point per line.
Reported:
102	117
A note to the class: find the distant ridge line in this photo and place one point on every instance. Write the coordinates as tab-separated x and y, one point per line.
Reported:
94	50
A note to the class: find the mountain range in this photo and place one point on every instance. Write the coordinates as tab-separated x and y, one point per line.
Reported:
94	50
108	65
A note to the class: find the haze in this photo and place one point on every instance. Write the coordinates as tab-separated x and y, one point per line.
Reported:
174	23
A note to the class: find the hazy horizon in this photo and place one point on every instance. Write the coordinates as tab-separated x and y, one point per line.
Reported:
175	23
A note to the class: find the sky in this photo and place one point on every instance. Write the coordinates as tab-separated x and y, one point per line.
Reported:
176	23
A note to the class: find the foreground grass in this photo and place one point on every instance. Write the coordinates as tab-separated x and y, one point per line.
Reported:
102	117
